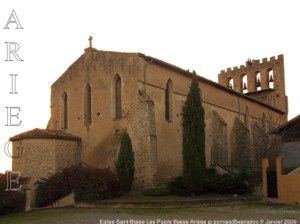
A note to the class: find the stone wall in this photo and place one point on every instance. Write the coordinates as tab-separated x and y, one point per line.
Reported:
40	158
229	107
291	154
257	73
101	139
157	142
98	69
142	130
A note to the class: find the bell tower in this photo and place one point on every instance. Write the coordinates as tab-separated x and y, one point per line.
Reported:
260	79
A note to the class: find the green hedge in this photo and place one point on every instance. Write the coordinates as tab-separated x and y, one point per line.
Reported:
215	183
87	183
11	201
227	184
158	191
177	186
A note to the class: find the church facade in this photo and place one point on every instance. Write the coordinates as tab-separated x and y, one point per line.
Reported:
102	94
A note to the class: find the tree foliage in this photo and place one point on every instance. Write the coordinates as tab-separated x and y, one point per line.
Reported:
264	142
11	201
125	163
193	140
87	183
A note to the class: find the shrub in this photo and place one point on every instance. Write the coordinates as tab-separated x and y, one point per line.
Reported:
210	172
96	184
11	201
87	183
193	140
227	183
159	191
215	183
125	163
56	186
177	186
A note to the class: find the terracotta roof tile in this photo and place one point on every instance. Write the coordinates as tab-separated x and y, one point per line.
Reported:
45	134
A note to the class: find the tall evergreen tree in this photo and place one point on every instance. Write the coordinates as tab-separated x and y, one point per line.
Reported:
193	140
125	163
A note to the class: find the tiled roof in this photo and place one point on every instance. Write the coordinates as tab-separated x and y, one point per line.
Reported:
45	134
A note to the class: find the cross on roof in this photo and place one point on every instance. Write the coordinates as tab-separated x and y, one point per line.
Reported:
90	40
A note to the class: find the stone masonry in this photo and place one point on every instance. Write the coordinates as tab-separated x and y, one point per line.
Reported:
103	93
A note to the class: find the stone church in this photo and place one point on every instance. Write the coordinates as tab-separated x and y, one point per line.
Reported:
104	93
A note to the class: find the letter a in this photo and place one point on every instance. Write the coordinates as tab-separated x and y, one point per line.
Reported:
13	18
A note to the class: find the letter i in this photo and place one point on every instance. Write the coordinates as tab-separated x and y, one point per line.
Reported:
13	84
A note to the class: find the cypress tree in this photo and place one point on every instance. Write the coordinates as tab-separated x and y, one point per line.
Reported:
193	140
125	163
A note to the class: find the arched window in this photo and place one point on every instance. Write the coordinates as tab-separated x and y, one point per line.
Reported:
240	144
245	84
169	101
65	110
230	83
258	81
117	94
87	105
219	153
271	79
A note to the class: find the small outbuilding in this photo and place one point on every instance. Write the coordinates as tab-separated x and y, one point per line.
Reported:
290	133
281	185
38	153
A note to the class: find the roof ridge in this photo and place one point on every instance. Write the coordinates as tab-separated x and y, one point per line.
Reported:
38	133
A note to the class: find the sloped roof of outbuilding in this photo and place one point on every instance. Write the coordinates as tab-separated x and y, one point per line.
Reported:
291	124
45	134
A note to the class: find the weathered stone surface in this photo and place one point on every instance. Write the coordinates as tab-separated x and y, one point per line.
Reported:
157	141
40	158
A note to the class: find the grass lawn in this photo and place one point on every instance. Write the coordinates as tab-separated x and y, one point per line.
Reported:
146	198
94	215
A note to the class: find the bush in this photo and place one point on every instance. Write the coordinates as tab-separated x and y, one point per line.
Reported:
159	191
227	183
125	163
11	201
215	183
87	183
177	186
97	184
56	186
